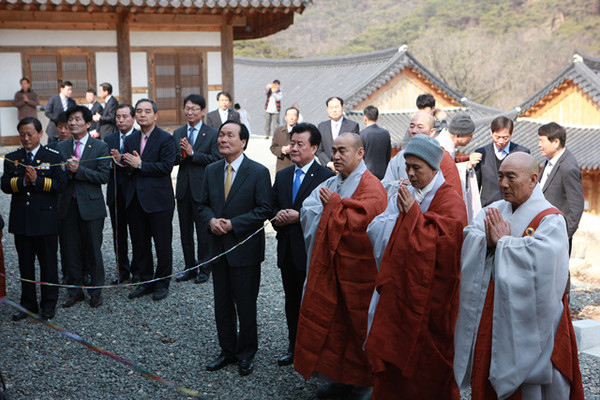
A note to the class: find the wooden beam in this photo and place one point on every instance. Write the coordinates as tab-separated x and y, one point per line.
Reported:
227	58
124	58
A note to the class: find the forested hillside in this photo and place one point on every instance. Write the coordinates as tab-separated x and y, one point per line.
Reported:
497	52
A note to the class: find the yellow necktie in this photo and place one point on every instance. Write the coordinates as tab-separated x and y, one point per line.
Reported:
228	179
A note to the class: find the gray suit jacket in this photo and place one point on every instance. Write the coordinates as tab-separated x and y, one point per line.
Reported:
247	206
378	149
564	190
52	108
191	169
87	181
487	172
324	152
213	118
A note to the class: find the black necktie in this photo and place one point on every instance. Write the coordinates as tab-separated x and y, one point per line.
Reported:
122	143
29	157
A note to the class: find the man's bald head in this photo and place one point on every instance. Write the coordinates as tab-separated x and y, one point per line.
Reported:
421	123
348	152
517	177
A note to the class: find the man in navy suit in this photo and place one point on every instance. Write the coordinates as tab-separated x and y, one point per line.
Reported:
106	120
115	193
234	203
331	128
377	143
81	206
292	185
57	104
150	155
492	156
196	148
224	113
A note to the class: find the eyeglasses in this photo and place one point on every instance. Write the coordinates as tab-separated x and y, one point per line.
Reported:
192	109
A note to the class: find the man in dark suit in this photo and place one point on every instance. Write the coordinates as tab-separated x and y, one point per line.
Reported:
57	104
234	203
95	108
115	194
106	119
81	206
280	145
223	113
377	143
491	158
292	185
196	148
150	155
560	178
331	128
34	183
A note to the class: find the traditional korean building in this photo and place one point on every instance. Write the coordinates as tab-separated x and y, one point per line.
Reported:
163	49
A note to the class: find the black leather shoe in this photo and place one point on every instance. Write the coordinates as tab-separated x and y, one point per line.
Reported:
202	277
140	291
187	275
245	367
96	301
287	359
220	362
160	294
19	315
47	315
71	301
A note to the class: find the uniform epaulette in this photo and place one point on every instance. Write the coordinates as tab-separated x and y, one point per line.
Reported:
52	150
15	150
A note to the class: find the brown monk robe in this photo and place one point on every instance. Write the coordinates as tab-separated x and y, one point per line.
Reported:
333	317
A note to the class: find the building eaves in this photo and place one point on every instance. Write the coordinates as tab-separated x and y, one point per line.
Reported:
197	4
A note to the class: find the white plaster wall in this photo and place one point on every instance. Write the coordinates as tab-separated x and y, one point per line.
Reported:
107	70
8	121
212	100
11	75
170	39
213	64
137	96
39	37
139	69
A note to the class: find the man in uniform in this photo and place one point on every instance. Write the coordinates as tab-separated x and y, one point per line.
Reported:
514	338
33	176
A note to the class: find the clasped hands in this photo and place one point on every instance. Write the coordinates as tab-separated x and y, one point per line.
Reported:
286	217
405	199
220	226
30	174
495	226
132	160
186	146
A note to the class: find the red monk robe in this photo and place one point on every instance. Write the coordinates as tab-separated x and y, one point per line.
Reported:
450	172
333	317
412	333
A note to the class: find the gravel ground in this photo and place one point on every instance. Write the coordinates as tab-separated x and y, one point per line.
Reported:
174	338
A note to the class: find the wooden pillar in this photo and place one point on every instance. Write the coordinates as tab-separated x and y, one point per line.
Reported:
124	58
227	57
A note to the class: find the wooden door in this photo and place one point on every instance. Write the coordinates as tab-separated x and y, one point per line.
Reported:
176	75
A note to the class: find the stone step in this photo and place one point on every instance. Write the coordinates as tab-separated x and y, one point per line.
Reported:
587	332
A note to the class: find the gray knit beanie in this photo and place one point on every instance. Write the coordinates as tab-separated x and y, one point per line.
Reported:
427	149
461	124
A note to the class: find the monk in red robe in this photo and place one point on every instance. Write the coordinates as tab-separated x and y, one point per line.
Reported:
341	277
417	243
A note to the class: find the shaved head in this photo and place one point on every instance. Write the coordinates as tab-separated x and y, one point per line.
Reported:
517	177
357	142
421	123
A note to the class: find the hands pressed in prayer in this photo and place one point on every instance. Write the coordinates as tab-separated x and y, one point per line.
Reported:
186	146
405	199
30	174
495	226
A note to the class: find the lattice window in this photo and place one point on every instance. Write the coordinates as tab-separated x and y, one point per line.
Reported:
47	71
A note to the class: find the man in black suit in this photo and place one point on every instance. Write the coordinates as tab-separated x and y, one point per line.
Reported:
150	155
377	143
331	128
292	185
81	206
95	108
196	148
217	117
234	203
57	104
560	178
491	158
115	194
33	178
106	119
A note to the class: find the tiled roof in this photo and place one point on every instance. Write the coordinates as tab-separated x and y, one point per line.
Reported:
310	82
584	72
199	4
